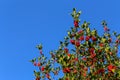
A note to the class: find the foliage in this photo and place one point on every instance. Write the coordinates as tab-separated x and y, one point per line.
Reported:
92	57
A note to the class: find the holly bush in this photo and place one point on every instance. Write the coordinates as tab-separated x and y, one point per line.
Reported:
92	56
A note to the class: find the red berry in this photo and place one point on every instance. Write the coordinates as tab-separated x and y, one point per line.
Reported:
68	70
75	71
66	78
66	50
76	59
110	53
77	43
105	28
93	55
37	78
81	38
64	70
38	64
99	50
81	31
87	38
117	41
94	38
40	51
68	54
76	24
48	76
111	68
101	71
110	40
91	50
101	44
43	68
72	41
35	64
84	58
84	74
86	69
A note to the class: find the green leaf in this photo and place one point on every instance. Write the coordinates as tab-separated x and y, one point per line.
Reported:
39	46
103	40
39	58
118	36
88	30
32	60
94	32
104	23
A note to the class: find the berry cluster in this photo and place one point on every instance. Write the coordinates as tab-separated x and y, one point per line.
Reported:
92	57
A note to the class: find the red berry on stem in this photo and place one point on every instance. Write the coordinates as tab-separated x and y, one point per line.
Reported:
37	78
87	38
117	41
93	55
38	64
43	68
81	31
64	70
72	41
84	74
86	69
91	50
81	38
110	40
101	71
35	64
105	28
101	44
94	38
76	59
68	54
66	50
111	68
76	24
77	43
68	70
66	79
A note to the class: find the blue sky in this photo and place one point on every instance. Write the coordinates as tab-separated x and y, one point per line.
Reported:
26	23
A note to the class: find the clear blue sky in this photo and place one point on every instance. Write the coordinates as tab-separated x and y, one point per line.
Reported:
26	23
